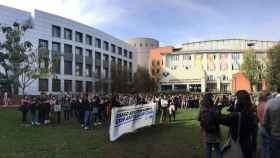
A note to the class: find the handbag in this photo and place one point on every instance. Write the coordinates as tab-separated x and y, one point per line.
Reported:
232	148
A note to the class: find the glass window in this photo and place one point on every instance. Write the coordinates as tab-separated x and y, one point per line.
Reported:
56	66
43	85
88	40
56	31
67	34
98	42
106	73
79	37
79	86
88	70
43	44
88	53
130	55
125	53
79	69
106	45
79	51
97	71
56	47
88	86
67	85
55	85
68	67
68	48
119	50
113	48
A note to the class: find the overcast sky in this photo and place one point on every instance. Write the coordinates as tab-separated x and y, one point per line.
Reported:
172	22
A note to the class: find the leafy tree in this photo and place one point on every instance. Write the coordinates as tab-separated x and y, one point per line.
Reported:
143	82
273	66
17	59
251	67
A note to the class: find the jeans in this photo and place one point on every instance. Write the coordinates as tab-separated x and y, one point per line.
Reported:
217	147
275	147
81	117
265	143
87	118
34	118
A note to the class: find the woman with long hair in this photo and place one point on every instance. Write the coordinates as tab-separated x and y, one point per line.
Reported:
243	110
209	126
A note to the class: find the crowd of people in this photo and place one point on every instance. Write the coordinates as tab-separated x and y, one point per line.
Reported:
246	115
247	118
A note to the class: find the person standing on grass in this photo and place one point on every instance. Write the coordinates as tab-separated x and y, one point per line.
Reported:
33	111
210	126
87	115
171	108
6	99
272	124
243	110
66	108
80	107
262	102
25	103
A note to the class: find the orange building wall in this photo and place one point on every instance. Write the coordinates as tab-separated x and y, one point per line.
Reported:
155	55
240	82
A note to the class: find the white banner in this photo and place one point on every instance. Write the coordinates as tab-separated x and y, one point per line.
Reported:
129	118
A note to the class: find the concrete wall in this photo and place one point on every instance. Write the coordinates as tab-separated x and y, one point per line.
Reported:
143	46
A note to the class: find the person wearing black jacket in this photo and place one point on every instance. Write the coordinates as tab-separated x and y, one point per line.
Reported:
249	123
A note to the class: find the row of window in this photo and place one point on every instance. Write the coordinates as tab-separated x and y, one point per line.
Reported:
235	56
56	32
56	47
56	85
145	44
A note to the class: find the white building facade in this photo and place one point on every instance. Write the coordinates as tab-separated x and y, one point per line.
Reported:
208	65
84	54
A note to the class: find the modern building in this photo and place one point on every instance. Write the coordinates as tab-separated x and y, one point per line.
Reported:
156	61
85	54
143	46
208	65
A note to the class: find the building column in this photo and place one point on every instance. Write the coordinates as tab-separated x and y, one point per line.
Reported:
74	70
84	72
219	83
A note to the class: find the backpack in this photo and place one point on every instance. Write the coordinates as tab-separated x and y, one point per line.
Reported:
208	121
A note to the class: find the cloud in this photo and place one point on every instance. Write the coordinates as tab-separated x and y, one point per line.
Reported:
96	13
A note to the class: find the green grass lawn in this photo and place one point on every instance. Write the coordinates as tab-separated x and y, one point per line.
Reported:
180	139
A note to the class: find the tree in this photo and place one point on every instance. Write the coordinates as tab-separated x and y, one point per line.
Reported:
120	82
143	82
17	59
251	67
273	66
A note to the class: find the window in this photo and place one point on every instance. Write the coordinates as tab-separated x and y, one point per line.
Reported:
140	44
43	85
55	85
113	61
79	86
97	71
106	72
56	31
88	70
89	40
119	63
67	34
79	69
106	45
43	62
88	53
68	48
56	47
130	65
97	42
130	55
88	86
56	66
97	56
68	67
43	44
79	51
79	37
125	64
120	50
125	53
113	48
158	63
67	85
